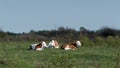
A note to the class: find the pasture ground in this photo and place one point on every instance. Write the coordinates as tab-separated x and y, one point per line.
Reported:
15	55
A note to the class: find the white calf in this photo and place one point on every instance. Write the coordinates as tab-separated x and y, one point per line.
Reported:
38	46
53	44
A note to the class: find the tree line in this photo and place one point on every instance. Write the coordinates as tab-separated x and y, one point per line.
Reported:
61	33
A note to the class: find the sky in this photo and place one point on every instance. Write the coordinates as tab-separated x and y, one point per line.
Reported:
25	15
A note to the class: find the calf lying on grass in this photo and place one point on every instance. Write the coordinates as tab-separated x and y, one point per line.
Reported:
38	46
53	44
72	46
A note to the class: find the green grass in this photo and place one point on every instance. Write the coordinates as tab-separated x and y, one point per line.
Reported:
15	55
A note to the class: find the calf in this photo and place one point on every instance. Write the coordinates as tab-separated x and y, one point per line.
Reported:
53	44
72	46
38	46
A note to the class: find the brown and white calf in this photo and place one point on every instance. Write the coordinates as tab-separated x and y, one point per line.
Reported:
72	46
53	44
38	46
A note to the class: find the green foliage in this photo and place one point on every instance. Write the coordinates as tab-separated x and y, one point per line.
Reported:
87	42
64	34
111	41
107	31
2	34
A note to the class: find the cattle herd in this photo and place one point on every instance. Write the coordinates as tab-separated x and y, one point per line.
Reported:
54	44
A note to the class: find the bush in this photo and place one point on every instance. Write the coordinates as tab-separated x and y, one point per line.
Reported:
86	41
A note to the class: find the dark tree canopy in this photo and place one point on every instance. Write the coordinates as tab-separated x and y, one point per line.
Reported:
61	33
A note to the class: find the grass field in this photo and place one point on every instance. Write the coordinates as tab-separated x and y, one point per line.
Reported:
15	55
